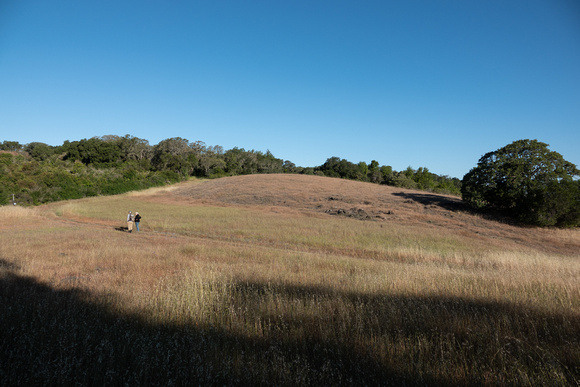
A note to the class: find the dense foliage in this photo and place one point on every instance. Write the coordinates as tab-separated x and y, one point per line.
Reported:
35	182
527	181
413	179
38	173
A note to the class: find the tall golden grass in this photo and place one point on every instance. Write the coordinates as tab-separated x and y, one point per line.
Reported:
271	290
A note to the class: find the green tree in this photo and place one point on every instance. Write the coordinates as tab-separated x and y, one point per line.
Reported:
134	148
362	171
39	151
11	146
337	167
386	173
175	155
211	162
402	180
527	181
374	173
447	185
289	167
330	168
95	151
268	163
239	161
425	180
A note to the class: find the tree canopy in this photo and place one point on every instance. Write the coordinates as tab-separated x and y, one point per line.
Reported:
527	181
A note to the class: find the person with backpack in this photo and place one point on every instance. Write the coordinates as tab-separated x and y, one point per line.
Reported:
130	221
137	220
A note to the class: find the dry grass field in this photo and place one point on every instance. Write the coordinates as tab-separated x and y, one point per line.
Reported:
284	280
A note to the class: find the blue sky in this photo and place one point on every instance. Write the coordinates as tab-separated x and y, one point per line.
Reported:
428	83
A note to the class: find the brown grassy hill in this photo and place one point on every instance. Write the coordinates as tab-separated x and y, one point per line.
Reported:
324	196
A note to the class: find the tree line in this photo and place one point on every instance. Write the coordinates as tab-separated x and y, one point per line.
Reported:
523	180
39	173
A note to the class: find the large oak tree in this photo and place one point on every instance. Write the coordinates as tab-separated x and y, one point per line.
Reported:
527	181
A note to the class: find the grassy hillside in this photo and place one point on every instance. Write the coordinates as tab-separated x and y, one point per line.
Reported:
284	280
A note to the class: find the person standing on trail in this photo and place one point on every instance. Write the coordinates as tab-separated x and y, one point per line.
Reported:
137	220
130	221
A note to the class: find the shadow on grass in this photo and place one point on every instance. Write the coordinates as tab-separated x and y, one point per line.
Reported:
65	337
494	342
456	205
429	199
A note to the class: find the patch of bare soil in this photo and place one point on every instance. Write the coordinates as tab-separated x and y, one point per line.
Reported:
324	196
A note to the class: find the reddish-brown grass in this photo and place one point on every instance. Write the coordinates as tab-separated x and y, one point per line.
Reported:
285	280
323	196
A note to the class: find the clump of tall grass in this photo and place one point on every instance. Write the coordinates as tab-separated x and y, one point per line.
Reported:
394	336
15	212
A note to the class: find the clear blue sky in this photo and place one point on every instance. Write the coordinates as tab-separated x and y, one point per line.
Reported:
429	83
